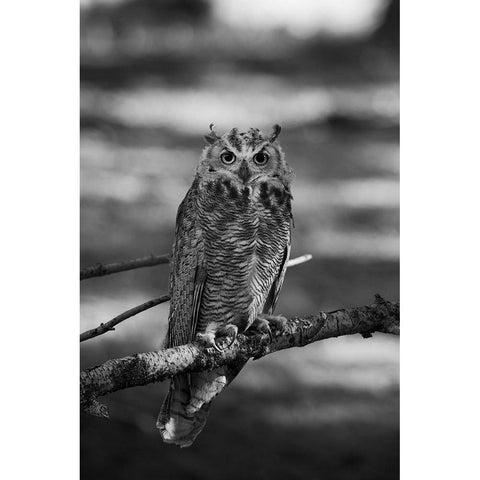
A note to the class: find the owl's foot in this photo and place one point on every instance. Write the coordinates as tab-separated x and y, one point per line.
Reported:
228	332
207	339
217	339
261	325
268	324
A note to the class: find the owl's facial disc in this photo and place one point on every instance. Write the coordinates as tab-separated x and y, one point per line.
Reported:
247	158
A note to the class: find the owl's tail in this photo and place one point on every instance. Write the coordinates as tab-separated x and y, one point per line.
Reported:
176	424
185	410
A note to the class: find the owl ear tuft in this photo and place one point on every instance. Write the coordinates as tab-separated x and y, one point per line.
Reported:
276	129
212	137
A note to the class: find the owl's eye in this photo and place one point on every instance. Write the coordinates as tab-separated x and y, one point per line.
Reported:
227	158
261	158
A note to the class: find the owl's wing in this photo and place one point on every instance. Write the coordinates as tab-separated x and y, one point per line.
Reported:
200	279
187	280
274	293
188	274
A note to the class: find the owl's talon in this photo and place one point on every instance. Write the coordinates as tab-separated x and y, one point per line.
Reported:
208	340
218	348
229	331
266	323
278	322
262	326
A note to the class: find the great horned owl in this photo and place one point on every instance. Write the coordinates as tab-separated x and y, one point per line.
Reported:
232	244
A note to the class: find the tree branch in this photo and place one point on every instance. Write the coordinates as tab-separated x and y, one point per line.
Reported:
299	260
109	326
144	368
99	270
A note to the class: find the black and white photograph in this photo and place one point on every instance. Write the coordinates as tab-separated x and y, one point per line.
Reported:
239	239
225	200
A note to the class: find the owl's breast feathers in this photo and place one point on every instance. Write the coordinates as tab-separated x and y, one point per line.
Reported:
234	240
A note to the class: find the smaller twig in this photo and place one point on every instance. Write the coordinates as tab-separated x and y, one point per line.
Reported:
99	270
109	326
297	261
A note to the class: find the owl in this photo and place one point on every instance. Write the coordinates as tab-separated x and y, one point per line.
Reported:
232	244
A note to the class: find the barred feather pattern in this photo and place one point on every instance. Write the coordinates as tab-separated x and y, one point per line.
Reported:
246	233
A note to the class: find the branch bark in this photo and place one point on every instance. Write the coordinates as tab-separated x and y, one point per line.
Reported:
144	368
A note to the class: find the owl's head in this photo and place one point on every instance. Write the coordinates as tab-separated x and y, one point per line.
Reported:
246	157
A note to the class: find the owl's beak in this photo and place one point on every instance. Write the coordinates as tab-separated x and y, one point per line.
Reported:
244	172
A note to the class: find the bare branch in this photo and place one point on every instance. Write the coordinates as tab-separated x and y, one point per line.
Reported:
109	326
299	260
144	368
99	270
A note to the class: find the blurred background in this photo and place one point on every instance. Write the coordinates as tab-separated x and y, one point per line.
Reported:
154	75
